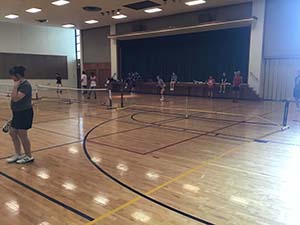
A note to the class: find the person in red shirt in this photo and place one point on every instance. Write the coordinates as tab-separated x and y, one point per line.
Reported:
211	83
236	84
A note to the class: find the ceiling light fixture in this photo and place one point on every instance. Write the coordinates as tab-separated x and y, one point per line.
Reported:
195	2
11	16
153	10
91	21
60	2
33	10
119	16
68	25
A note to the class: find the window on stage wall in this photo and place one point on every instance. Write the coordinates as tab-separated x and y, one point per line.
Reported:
78	44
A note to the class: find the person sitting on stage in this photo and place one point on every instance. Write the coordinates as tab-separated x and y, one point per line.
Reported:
211	83
173	81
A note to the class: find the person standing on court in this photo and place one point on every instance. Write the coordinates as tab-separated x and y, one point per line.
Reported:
223	83
297	90
21	106
161	84
84	82
173	81
58	83
236	85
93	85
211	84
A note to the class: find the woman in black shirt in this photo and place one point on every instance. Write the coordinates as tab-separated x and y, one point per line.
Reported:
21	106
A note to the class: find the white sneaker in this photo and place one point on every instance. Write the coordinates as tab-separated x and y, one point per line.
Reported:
25	159
14	158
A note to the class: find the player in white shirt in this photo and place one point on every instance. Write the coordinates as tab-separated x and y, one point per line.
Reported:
84	82
173	81
93	85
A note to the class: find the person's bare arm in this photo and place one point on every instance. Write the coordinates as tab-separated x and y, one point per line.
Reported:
16	95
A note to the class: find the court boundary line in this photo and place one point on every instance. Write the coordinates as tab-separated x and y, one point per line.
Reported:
48	148
47	197
235	137
57	133
140	194
207	111
145	126
213	134
145	196
197	136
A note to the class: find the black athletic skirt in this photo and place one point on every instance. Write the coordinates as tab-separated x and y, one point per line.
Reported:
22	120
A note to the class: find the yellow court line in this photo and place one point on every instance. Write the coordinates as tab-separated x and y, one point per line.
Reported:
182	175
109	213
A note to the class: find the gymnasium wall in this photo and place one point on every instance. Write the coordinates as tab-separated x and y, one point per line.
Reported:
232	12
281	48
38	40
96	46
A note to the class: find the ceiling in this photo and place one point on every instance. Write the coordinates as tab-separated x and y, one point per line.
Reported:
73	12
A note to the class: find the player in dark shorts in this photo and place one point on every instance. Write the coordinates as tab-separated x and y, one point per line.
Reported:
58	83
297	90
161	84
21	106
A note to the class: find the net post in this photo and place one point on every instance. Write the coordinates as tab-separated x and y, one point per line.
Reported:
285	115
122	95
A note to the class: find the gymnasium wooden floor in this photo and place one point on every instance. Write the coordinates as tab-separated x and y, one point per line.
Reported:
148	164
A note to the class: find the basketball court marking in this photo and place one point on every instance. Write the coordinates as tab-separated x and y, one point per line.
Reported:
47	148
146	195
142	195
49	198
155	188
212	132
210	112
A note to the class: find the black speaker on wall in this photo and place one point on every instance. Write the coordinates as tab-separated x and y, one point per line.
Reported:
206	17
139	27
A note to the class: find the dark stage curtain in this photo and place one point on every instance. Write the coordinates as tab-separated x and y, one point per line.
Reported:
191	56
